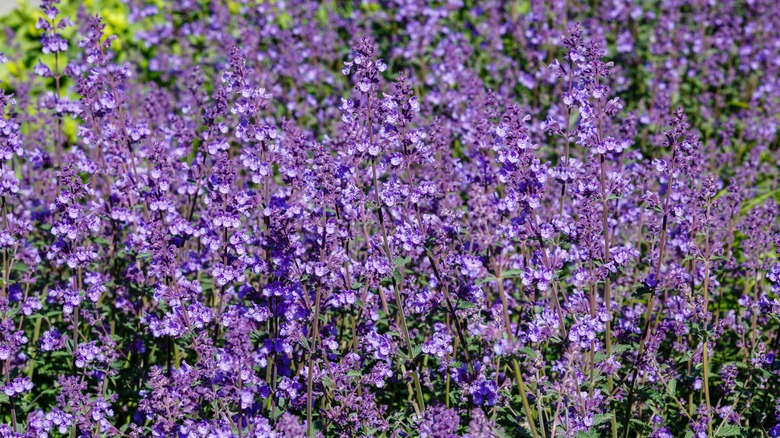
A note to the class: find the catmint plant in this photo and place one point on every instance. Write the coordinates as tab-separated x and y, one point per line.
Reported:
436	219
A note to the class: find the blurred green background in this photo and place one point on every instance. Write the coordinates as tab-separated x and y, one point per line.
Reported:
18	18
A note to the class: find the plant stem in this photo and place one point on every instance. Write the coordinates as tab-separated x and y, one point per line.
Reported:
420	407
518	374
646	330
310	383
705	356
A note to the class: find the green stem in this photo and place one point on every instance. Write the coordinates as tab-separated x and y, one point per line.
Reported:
518	374
646	330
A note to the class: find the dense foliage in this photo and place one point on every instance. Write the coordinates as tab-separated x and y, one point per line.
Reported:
390	218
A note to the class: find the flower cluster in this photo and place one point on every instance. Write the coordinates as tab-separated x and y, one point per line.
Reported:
399	218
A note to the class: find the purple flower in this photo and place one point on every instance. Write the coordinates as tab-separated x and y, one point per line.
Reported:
52	340
440	344
485	393
18	386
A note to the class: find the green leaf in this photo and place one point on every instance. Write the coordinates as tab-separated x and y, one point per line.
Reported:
466	305
601	419
671	388
511	273
729	430
739	104
284	20
621	348
642	426
305	343
397	276
686	357
100	240
688	258
651	394
487	279
529	351
400	261
641	290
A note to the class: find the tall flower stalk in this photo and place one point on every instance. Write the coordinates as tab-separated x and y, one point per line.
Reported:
286	219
